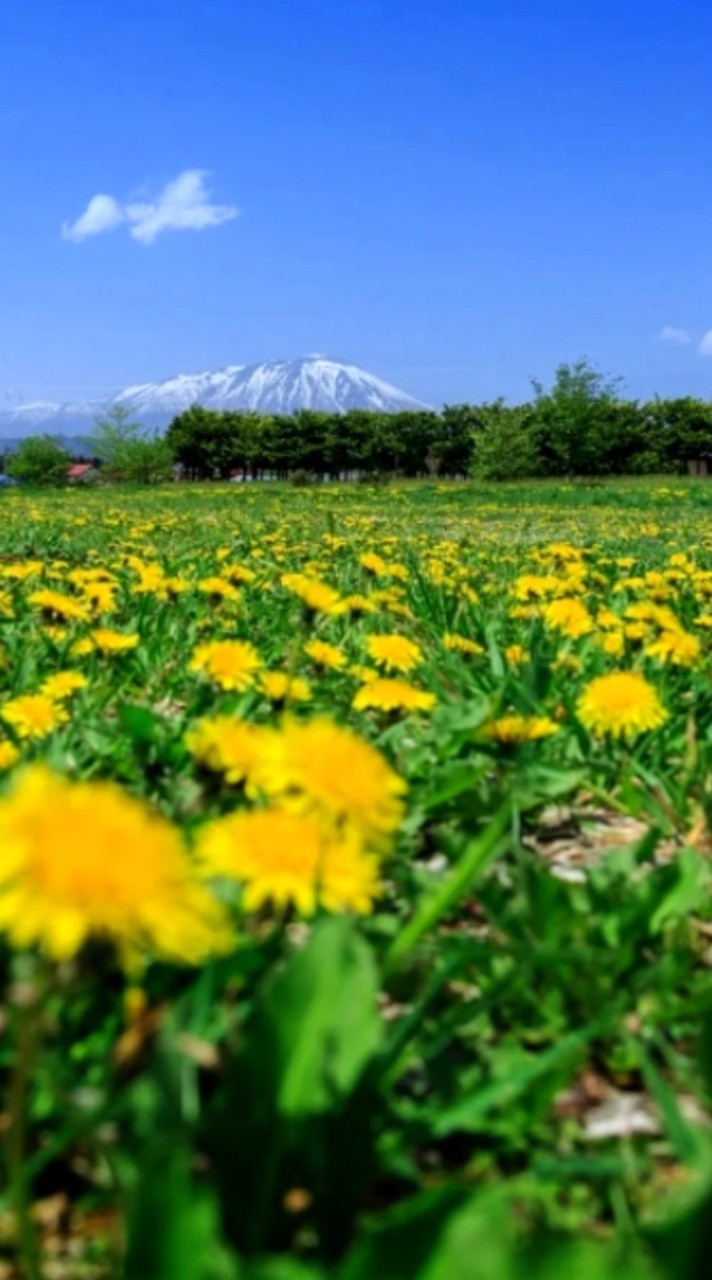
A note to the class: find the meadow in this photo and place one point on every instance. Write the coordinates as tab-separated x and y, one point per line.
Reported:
355	881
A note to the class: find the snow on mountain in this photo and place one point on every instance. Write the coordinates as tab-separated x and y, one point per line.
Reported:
278	386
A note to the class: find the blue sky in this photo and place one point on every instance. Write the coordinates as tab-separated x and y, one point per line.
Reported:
454	194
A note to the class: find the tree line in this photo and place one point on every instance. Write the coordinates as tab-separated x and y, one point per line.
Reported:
580	425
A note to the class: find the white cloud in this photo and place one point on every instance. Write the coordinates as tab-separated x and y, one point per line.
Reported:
183	205
705	347
103	213
679	337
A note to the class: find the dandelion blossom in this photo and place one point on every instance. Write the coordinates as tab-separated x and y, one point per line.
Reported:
325	769
108	641
384	694
231	664
514	729
33	715
676	647
622	703
289	859
395	653
225	745
461	644
568	616
57	605
281	687
9	754
326	655
84	859
63	684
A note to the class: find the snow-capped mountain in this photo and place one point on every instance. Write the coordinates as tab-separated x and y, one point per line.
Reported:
278	386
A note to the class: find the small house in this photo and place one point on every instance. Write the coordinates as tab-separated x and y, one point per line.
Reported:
82	473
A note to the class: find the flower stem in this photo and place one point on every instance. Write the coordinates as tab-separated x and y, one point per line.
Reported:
28	1036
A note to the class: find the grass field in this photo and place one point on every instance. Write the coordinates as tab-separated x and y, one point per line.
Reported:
355	880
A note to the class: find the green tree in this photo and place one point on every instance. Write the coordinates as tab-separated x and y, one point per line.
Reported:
112	432
679	430
457	430
143	461
39	460
204	442
505	445
567	419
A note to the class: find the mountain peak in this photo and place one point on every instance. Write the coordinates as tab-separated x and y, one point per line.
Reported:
315	381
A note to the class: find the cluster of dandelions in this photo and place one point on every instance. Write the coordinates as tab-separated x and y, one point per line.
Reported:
325	806
85	859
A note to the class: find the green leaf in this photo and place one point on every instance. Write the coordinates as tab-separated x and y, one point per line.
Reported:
478	854
141	724
685	896
173	1231
322	1020
298	1109
405	1239
277	1269
680	1131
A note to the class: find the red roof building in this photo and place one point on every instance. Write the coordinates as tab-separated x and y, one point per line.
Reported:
79	470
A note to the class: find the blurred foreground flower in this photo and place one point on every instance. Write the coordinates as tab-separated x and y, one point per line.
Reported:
84	859
289	859
319	767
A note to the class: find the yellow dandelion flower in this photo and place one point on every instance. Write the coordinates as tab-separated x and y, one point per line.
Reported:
321	767
231	664
384	694
63	684
326	655
676	647
363	673
314	594
461	644
568	616
108	641
395	653
33	715
357	604
514	729
54	604
218	589
281	687
374	563
239	573
80	648
516	655
621	703
288	859
533	586
613	643
80	860
20	572
151	581
101	596
224	744
9	754
176	587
